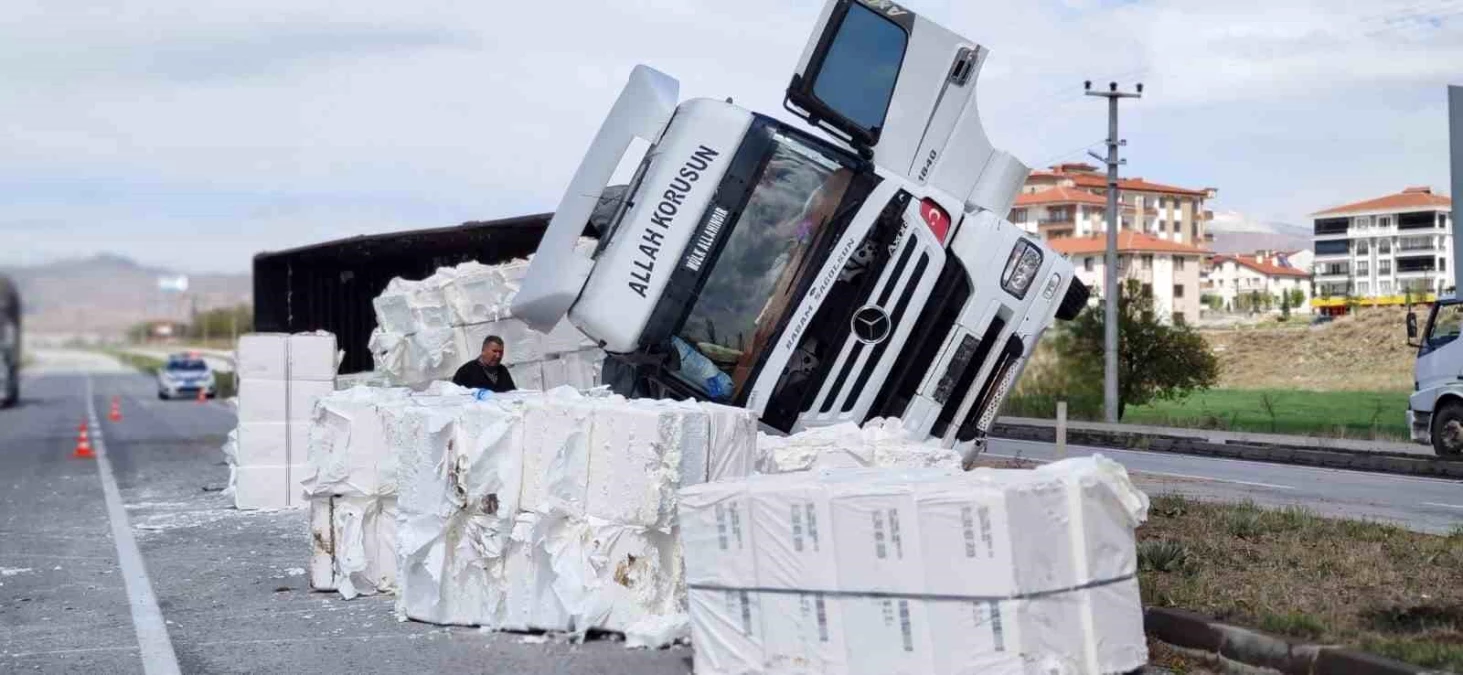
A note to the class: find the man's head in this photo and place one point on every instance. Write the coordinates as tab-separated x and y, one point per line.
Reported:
492	351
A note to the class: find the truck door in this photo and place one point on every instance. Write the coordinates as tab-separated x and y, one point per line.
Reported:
1440	358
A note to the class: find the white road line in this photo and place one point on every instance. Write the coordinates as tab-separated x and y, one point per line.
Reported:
1446	506
152	633
1211	479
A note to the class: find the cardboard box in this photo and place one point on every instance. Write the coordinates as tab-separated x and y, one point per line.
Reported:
279	356
716	535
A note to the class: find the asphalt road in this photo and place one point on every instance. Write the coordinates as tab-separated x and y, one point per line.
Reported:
1423	504
227	590
230	587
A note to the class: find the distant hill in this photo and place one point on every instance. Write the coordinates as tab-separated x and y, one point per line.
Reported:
106	294
1236	233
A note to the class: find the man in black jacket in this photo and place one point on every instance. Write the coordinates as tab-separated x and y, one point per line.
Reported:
487	370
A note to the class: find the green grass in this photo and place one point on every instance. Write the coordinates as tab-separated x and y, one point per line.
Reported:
1366	585
1345	414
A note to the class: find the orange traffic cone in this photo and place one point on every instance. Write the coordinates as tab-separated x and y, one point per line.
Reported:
116	414
83	444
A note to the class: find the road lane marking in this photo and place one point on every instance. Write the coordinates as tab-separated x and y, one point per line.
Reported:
1446	506
158	657
1167	474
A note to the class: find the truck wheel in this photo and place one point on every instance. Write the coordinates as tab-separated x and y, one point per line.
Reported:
1074	301
1448	430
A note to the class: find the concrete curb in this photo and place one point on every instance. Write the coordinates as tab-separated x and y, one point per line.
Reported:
1188	630
1331	458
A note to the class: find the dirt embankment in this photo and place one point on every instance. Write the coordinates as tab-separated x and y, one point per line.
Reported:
1364	352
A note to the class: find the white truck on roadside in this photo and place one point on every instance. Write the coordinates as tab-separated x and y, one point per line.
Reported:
815	278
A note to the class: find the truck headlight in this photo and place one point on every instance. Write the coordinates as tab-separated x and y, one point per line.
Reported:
1021	268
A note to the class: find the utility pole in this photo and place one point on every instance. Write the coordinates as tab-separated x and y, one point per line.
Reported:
1110	261
1455	134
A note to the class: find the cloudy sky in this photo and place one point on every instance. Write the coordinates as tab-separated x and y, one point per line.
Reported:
195	133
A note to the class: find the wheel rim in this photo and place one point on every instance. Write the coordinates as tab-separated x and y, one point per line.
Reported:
1452	436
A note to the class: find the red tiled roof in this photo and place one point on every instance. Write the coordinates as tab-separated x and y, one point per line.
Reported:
1266	268
1127	242
1059	195
1132	184
1411	198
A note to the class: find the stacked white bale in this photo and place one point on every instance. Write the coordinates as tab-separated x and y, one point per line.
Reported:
351	486
881	443
280	378
554	511
916	571
427	329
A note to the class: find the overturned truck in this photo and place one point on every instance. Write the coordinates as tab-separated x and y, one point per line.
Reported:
859	269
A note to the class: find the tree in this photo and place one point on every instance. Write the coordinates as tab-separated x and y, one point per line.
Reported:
1297	298
1155	361
1255	301
1284	306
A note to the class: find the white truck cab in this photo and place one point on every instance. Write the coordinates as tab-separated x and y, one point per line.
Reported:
1435	410
815	279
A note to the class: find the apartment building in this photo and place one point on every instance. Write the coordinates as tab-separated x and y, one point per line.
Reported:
1164	212
1381	251
1060	212
1237	279
1169	270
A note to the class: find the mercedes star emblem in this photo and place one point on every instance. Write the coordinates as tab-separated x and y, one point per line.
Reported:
870	325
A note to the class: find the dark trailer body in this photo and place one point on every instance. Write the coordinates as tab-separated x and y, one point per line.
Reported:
330	286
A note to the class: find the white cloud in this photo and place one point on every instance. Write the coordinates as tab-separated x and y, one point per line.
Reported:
224	128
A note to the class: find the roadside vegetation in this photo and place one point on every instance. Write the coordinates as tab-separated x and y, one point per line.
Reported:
1370	586
1337	414
1348	378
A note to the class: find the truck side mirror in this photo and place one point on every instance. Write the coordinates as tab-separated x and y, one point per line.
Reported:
1412	328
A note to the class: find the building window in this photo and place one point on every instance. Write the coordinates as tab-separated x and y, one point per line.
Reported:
1147	290
1018	215
1442	264
1178	290
1333	247
1178	264
1384	246
1361	268
1362	248
1087	263
1384	267
1147	261
1179	318
1384	221
1384	288
1058	214
1361	288
1362	222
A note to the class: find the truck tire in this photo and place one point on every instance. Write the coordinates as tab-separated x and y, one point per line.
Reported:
1447	432
1074	301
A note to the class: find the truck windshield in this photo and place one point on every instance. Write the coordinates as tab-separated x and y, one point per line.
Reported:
754	281
1447	323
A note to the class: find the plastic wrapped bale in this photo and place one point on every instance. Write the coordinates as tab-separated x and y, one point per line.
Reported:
881	443
457	507
351	485
917	571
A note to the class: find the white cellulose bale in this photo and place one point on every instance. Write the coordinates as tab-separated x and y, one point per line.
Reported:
351	485
527	511
281	377
918	571
880	443
456	509
427	328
